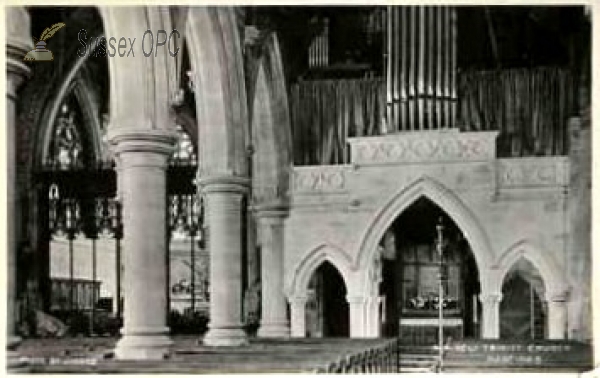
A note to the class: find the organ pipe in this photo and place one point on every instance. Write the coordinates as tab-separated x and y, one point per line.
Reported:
421	67
318	52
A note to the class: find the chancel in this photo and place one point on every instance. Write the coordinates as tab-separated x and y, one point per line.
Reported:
288	189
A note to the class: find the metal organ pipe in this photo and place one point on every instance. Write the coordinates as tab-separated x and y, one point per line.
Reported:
420	67
318	52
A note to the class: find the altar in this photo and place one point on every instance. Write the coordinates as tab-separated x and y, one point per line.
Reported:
413	269
419	331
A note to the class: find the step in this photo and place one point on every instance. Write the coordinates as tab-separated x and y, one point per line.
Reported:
404	369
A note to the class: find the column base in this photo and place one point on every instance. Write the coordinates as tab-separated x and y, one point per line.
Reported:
13	342
14	361
143	347
274	330
225	337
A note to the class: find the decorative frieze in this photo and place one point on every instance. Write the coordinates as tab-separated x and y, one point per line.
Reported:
424	146
533	172
317	179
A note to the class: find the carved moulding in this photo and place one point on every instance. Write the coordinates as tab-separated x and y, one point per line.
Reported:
445	146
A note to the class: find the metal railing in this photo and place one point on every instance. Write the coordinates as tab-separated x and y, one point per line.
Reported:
380	359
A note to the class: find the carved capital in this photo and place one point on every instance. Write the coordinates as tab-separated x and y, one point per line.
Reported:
355	300
223	184
297	301
271	212
491	298
127	141
558	297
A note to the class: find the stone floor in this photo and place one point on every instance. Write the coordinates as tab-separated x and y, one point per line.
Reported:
93	355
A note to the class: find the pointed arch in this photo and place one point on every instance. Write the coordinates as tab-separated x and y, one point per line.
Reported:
87	103
75	79
270	123
554	278
221	107
443	197
300	277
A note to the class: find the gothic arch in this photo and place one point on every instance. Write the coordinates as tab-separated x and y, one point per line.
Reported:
271	130
447	201
221	107
141	89
554	278
78	86
302	273
49	88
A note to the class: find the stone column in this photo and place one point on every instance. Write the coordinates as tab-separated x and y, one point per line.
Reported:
490	313
557	316
143	155
298	316
223	204
18	43
357	315
372	316
274	321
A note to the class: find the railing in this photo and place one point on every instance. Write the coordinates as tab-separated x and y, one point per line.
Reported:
379	359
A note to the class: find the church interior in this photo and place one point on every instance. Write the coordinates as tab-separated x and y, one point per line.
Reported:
324	179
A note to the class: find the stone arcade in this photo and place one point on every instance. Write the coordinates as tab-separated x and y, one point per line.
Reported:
283	175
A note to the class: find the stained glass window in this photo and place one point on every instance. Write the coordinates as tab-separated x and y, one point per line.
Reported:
66	148
185	152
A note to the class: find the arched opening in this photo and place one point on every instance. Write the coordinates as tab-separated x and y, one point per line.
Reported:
327	313
410	288
80	267
523	312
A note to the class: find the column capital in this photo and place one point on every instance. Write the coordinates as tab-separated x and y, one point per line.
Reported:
557	297
220	184
298	300
491	298
16	73
156	141
355	299
271	211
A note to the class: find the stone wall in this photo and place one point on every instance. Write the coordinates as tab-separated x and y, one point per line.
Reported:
578	256
506	208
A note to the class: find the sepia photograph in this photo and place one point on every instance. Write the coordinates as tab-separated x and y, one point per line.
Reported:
298	188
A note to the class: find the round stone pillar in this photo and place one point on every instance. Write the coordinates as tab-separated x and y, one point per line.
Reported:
274	321
223	215
357	316
18	43
143	157
372	316
298	316
490	310
557	316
